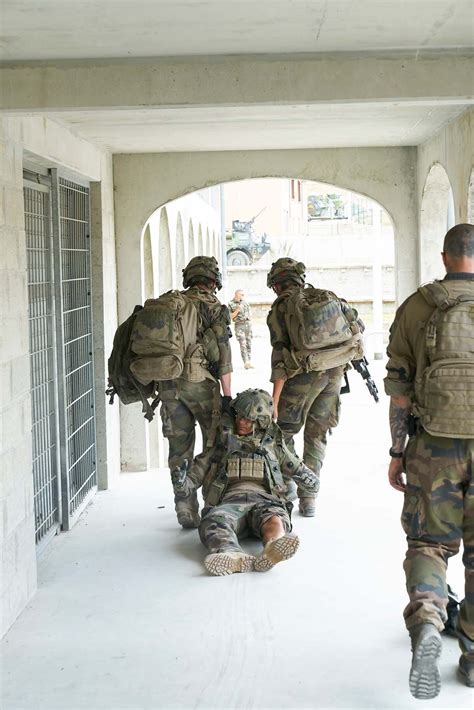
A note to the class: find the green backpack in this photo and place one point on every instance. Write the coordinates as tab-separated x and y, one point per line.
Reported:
164	340
322	334
121	380
444	391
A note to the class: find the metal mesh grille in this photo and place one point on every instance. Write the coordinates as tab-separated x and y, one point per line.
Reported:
41	315
77	335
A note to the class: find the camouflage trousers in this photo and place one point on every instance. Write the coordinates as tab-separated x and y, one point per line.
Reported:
438	513
310	399
239	515
243	333
183	404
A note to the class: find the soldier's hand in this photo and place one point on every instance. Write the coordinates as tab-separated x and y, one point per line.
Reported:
395	475
225	404
308	479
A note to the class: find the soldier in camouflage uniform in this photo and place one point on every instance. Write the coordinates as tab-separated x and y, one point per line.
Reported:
310	398
243	488
186	402
433	332
242	317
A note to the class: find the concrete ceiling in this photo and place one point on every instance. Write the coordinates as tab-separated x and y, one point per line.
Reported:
67	29
259	128
55	30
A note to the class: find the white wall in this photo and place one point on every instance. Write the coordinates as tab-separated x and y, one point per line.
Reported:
47	144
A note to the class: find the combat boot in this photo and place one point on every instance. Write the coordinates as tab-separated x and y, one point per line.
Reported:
466	671
222	563
307	507
187	511
426	644
276	551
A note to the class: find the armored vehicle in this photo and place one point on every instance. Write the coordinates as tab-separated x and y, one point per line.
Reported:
243	245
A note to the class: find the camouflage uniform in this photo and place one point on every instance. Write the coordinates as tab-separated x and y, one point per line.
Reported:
243	328
184	402
309	399
438	510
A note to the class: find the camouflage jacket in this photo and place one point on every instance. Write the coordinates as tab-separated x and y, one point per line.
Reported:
279	337
215	316
406	350
244	315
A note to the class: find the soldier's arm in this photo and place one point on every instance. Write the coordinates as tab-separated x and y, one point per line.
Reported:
401	368
293	467
279	340
234	313
220	324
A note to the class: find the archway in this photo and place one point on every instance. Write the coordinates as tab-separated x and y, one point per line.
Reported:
470	199
147	265
436	217
180	255
191	247
200	242
165	264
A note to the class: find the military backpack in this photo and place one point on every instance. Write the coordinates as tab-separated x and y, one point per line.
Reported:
444	391
164	339
121	380
322	332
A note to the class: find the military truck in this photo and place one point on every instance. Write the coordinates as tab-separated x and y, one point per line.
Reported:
243	245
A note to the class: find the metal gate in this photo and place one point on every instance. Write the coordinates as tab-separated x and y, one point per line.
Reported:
61	351
42	360
75	356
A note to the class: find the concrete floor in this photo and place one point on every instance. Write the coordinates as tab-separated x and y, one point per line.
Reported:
126	618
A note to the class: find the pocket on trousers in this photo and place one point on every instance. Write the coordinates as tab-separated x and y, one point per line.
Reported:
413	514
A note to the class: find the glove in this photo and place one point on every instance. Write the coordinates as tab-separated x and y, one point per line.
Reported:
179	478
307	479
225	404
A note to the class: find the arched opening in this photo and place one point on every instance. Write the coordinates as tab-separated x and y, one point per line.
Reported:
191	247
436	217
180	255
470	199
200	242
147	265
165	265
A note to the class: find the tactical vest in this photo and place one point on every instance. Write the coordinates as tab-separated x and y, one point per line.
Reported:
444	391
322	333
246	459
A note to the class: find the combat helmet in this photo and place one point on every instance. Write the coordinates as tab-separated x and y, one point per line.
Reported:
205	267
286	269
254	404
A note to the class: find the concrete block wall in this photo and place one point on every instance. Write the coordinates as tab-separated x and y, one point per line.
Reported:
42	142
17	536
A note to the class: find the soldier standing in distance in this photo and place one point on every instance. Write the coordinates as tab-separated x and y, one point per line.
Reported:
243	488
430	380
241	315
305	394
185	402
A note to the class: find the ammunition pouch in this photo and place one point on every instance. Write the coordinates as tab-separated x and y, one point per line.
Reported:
246	469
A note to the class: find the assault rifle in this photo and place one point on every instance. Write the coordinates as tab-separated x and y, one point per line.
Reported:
361	366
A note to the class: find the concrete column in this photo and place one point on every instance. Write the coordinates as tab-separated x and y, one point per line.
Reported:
17	529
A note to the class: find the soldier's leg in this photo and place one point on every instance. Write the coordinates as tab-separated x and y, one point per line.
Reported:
203	401
219	531
240	335
295	400
270	521
433	520
322	416
466	614
178	428
248	341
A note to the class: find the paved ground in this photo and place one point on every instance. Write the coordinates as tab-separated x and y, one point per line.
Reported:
126	618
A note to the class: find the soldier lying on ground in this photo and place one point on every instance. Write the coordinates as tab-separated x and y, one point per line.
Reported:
244	489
